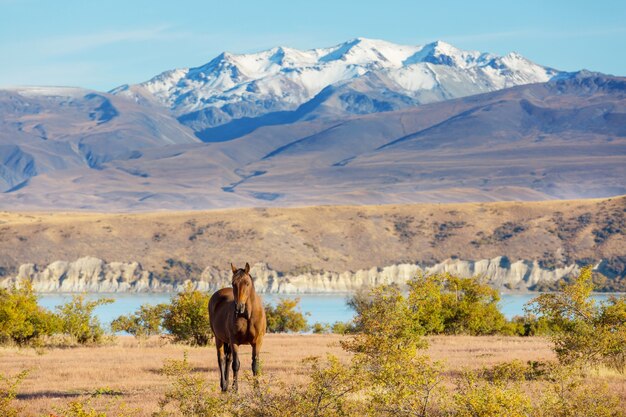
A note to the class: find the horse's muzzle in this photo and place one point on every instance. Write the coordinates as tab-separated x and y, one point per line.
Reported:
240	308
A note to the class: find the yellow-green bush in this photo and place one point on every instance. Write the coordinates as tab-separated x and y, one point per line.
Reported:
285	317
187	317
84	407
583	330
22	320
8	393
78	320
189	394
147	321
568	394
444	303
477	397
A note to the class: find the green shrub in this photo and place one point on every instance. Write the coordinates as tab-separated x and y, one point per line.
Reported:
342	327
476	397
84	408
527	325
285	317
78	321
444	303
147	321
585	331
320	328
568	394
409	387
8	393
187	317
330	388
189	394
386	326
22	320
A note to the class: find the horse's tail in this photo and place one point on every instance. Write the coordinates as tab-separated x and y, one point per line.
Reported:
227	349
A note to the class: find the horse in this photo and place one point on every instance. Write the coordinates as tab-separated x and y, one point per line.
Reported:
237	318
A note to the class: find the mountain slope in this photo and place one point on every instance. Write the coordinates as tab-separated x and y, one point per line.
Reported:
45	130
363	75
562	139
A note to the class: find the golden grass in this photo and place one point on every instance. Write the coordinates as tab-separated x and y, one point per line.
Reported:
131	369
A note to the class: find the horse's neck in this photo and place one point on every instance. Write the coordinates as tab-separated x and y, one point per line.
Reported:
252	300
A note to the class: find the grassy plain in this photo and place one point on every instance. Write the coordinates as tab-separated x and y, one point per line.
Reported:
128	371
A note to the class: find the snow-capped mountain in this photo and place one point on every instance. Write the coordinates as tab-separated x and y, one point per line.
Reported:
231	87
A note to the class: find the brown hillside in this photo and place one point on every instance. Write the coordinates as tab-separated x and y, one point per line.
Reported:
332	238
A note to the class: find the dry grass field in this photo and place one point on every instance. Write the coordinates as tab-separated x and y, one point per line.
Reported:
331	238
131	369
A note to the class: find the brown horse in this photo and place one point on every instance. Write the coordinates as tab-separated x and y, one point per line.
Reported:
237	317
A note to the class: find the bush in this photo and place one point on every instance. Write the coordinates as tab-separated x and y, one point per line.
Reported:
320	328
22	320
189	393
527	325
285	317
477	397
583	330
444	303
145	322
77	319
387	326
85	408
329	389
187	317
342	327
8	393
568	395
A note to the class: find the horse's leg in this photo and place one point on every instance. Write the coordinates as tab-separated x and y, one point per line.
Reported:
256	360
235	349
229	360
220	362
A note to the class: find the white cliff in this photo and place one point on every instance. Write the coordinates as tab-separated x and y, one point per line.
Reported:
91	274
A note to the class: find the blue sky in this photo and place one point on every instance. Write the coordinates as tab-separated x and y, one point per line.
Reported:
102	44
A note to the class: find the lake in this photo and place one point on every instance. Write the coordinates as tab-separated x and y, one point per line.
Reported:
323	308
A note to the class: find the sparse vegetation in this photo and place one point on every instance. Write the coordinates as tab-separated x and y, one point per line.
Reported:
176	271
78	321
8	392
383	369
500	234
583	329
404	228
610	222
444	230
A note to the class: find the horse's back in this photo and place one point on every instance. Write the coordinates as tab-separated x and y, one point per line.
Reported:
223	296
218	312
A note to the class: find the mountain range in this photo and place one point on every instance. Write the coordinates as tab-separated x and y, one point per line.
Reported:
363	122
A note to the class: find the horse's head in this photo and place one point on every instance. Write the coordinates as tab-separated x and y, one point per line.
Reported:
242	287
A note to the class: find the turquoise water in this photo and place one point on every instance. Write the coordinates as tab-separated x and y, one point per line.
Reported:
323	308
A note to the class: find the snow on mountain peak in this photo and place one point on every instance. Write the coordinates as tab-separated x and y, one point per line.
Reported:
283	78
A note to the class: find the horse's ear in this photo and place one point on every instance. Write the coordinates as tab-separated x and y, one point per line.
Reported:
233	267
247	267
